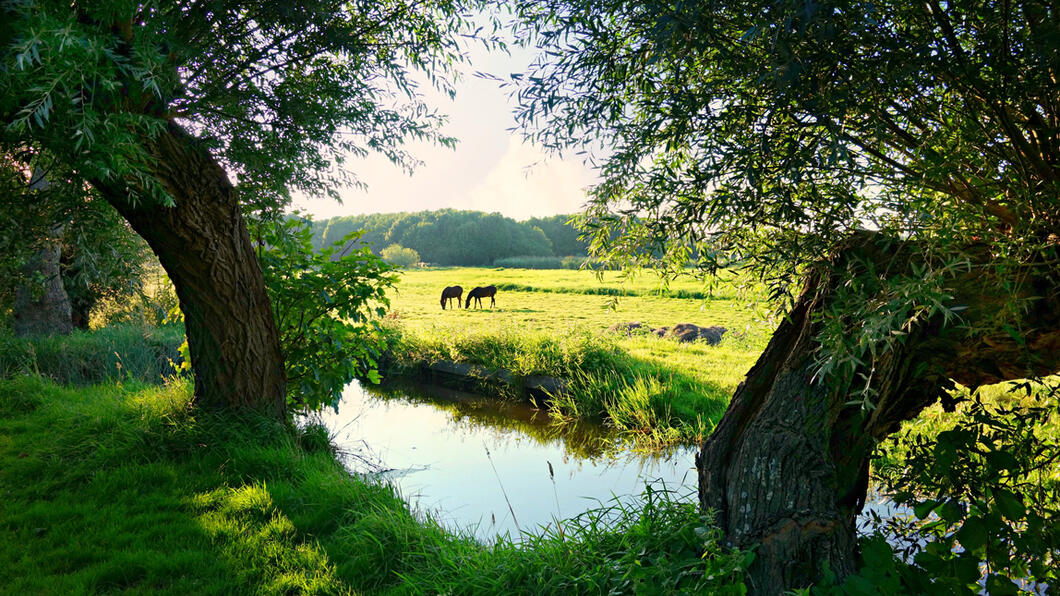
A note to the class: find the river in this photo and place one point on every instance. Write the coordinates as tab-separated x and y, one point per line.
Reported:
492	467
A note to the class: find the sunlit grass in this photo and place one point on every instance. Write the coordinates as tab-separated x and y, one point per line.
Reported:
658	390
129	488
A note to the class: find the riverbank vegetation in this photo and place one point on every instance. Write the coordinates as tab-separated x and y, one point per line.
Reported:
657	390
127	487
906	212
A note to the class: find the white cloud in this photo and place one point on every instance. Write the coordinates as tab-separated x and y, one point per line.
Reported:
526	183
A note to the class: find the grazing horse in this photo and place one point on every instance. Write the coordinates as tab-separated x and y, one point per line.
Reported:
479	293
450	293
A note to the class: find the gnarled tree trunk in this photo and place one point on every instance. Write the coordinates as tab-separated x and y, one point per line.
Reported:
787	468
43	310
203	244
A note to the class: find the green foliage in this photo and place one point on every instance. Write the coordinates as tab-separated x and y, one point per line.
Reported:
769	131
161	487
399	256
985	489
561	233
119	353
283	95
446	236
155	304
102	259
323	304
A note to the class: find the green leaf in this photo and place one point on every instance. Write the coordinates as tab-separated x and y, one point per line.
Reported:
924	508
997	585
951	511
1011	506
877	554
973	534
1002	460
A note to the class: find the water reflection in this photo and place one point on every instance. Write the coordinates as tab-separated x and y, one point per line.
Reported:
472	462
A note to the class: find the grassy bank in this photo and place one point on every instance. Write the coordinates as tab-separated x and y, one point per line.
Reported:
125	487
555	323
659	400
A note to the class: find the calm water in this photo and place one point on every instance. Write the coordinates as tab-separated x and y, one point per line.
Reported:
464	460
470	462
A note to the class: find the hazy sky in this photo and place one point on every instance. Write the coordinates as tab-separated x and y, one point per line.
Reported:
490	170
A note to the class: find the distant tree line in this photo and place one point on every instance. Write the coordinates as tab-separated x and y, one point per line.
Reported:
451	237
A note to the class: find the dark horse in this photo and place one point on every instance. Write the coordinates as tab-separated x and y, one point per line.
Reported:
450	293
479	293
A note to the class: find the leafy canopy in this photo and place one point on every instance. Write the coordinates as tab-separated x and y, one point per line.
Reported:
770	130
280	92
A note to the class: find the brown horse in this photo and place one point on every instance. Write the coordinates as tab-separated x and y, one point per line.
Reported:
479	293
450	293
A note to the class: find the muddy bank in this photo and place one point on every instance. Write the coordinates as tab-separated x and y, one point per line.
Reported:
472	377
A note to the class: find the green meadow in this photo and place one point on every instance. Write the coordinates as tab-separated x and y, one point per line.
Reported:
126	488
555	322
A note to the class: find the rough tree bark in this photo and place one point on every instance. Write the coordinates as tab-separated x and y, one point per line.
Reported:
43	310
787	468
203	244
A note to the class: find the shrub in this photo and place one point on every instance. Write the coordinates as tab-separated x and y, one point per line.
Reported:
399	256
325	305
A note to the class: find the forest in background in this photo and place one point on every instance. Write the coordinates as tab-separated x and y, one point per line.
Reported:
452	237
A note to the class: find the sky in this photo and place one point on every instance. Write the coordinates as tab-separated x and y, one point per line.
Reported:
491	169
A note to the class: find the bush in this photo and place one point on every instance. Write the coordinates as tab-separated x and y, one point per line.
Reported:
983	486
398	255
326	306
572	262
154	304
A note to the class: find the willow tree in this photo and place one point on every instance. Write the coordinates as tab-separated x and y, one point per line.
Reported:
159	104
901	159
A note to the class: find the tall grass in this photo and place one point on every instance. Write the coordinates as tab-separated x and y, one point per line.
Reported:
119	352
655	403
127	488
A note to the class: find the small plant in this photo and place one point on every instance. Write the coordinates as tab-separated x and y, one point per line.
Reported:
326	306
